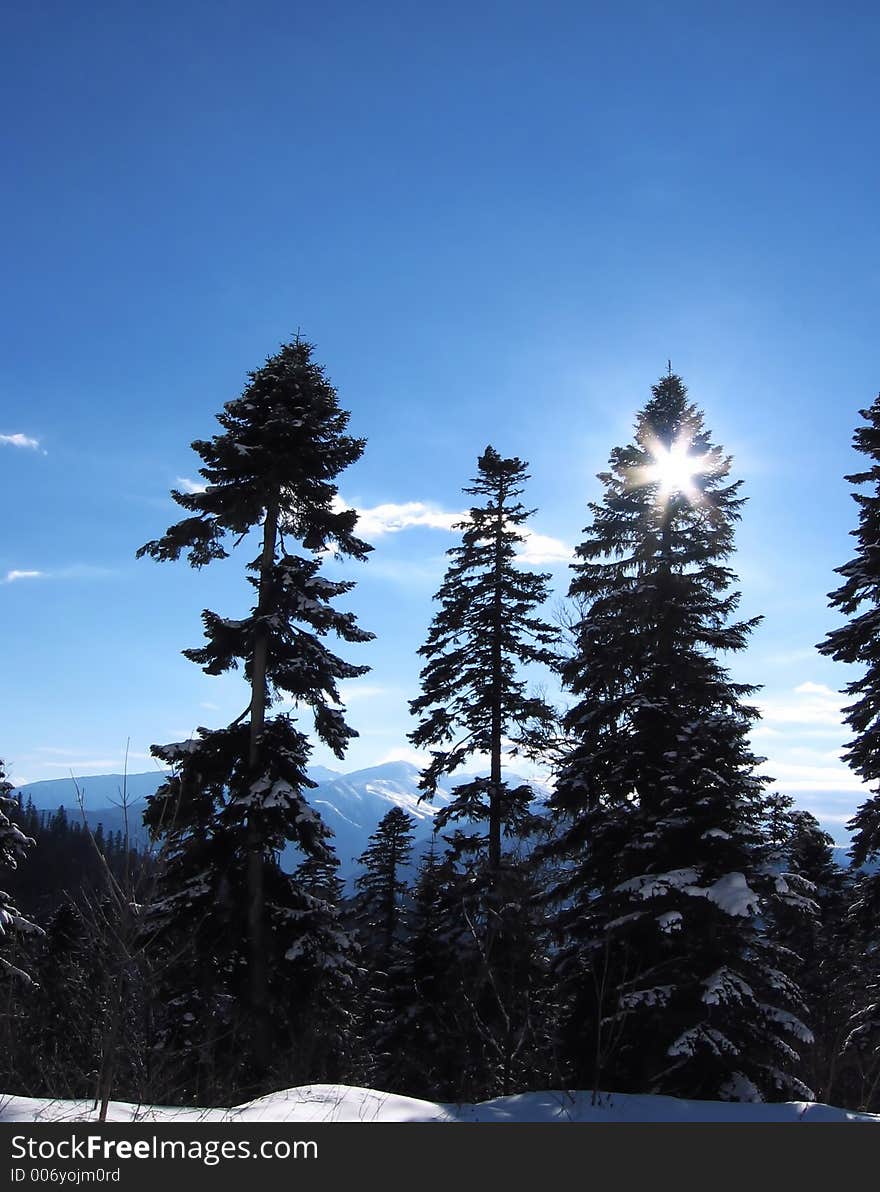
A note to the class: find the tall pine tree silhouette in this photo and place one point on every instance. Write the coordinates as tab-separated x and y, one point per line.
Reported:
238	795
474	697
475	701
858	643
669	982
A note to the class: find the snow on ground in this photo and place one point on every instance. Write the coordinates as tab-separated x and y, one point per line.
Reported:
342	1103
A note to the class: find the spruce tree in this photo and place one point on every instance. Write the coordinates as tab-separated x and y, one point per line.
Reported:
379	911
474	697
420	1045
857	643
669	981
382	887
14	846
238	795
485	635
856	969
827	969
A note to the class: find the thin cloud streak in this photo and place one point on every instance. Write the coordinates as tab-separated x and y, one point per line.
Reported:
191	486
818	705
13	577
541	548
73	571
19	440
393	517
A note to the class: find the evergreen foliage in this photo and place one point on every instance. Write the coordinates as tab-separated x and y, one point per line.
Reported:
14	846
485	635
73	860
672	931
474	696
857	642
238	795
382	887
669	982
421	1044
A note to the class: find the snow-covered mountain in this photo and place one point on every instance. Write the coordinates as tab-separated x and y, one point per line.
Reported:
351	804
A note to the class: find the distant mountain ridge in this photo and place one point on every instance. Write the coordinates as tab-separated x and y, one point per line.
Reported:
98	790
351	804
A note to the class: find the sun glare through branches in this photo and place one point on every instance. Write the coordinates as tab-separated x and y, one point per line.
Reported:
674	469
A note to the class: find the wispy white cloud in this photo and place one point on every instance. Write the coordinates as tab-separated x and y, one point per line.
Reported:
14	576
541	548
415	757
817	775
73	571
19	440
392	517
815	705
803	735
191	486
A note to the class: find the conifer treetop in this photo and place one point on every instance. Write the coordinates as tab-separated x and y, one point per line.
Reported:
671	477
283	444
485	627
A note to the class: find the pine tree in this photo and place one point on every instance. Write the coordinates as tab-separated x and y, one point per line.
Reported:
14	845
486	633
238	795
669	982
420	1044
857	642
474	698
854	961
381	887
379	917
827	969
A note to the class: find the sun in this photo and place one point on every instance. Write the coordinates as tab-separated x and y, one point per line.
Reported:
673	469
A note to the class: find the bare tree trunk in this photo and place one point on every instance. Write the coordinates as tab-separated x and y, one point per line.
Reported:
256	899
109	1060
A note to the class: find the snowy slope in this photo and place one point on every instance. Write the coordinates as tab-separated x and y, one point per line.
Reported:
342	1103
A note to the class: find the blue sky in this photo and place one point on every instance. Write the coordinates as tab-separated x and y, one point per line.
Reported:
496	222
